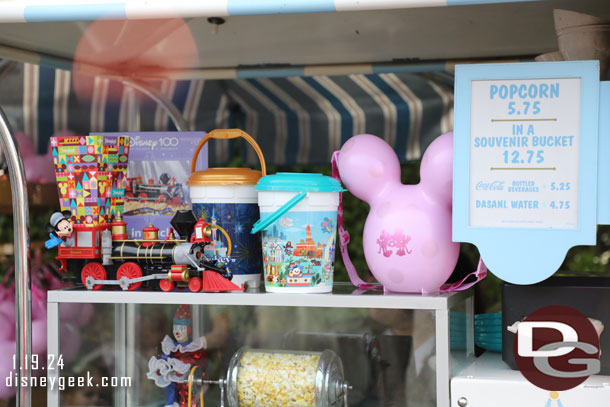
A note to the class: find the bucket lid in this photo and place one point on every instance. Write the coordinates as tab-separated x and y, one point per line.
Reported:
299	182
225	176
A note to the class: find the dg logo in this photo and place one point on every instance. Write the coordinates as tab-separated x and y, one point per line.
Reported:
557	348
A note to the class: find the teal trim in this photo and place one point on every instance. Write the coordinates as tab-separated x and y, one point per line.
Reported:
299	182
270	72
409	68
262	224
249	7
75	12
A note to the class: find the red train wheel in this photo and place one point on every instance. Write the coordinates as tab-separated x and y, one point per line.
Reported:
195	284
166	285
95	270
130	270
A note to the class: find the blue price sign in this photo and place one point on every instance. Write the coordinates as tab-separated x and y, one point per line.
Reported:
525	163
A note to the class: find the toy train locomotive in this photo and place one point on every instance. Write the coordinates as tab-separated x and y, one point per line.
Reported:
103	255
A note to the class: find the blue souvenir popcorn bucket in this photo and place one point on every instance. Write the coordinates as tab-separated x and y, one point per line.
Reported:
226	199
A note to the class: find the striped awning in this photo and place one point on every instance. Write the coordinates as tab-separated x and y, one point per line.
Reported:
295	119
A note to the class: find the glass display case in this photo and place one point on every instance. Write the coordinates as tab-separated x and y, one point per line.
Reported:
386	349
394	349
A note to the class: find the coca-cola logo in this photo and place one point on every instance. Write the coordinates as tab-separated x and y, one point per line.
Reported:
490	186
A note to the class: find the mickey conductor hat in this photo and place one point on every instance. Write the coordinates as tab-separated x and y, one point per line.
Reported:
56	218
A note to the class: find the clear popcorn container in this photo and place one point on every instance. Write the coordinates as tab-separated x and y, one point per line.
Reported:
285	378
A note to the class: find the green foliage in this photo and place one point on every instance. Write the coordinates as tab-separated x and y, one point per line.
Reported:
589	260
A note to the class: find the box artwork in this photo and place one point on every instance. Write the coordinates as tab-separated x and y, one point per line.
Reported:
159	167
91	176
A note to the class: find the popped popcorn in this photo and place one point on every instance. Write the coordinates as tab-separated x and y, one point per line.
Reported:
277	379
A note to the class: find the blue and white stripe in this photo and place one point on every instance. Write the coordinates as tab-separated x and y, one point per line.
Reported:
296	120
86	10
311	117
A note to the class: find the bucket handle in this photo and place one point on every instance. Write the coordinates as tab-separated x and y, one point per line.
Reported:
226	134
262	224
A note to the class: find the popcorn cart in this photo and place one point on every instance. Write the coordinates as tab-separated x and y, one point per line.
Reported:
301	77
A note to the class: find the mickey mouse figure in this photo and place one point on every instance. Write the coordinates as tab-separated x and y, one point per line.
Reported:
60	229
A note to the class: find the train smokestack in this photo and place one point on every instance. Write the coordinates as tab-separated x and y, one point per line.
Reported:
184	222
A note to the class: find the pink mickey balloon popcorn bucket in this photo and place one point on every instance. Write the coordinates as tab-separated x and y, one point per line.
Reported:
298	228
407	234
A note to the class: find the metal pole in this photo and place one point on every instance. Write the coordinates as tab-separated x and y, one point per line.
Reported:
133	110
23	289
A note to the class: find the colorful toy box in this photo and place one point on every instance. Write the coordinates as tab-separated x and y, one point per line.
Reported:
156	187
91	174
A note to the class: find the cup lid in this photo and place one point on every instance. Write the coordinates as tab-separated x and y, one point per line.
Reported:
299	182
224	176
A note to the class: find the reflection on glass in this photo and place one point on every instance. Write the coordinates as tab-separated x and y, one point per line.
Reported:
388	356
86	348
461	335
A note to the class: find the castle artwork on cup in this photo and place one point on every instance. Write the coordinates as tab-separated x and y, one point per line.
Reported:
299	250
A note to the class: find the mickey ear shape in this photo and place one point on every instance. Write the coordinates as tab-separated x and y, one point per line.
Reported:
436	171
366	164
67	214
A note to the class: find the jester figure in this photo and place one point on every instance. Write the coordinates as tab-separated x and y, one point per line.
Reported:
171	370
